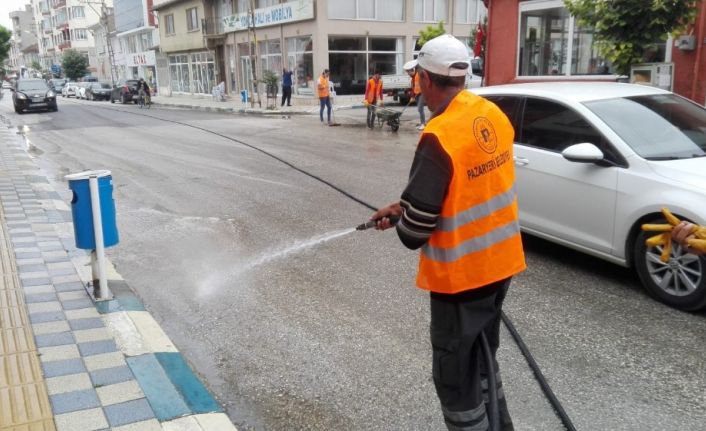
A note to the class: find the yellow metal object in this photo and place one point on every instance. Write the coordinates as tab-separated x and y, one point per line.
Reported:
24	402
665	239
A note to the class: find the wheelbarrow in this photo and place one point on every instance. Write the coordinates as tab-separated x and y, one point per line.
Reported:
389	117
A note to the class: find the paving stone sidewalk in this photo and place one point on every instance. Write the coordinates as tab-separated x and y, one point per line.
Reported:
88	365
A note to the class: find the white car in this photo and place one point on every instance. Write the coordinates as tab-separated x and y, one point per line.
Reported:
594	161
81	90
69	89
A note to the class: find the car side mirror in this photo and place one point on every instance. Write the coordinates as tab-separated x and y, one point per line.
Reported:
583	153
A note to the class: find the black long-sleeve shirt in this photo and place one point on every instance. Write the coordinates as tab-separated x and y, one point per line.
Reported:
422	199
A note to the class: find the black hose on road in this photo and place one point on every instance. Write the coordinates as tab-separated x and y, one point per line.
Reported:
492	389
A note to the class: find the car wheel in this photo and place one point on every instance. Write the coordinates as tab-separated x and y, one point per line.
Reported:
111	99
680	282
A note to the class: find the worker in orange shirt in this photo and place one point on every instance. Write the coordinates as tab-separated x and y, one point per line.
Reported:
373	96
322	88
416	92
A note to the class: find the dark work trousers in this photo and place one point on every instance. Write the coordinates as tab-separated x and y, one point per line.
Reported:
287	95
459	369
371	115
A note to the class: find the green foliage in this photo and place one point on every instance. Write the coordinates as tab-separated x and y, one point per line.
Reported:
36	65
5	36
431	32
269	78
75	65
626	29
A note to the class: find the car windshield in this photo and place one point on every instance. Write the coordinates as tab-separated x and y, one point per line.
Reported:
657	127
31	85
104	85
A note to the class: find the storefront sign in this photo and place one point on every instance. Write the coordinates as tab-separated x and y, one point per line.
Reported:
274	15
146	58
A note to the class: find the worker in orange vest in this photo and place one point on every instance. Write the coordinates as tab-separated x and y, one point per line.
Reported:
373	96
460	208
411	69
322	88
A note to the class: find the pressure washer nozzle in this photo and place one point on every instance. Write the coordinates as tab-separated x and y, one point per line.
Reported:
372	223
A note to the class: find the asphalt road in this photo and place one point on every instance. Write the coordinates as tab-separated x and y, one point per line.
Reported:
296	324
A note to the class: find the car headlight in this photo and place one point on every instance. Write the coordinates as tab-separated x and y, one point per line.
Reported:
21	96
50	93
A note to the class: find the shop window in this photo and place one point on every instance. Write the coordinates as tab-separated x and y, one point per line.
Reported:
378	10
271	56
353	59
179	73
430	10
552	43
300	60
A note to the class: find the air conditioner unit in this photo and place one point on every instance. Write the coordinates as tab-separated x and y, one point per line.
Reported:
686	43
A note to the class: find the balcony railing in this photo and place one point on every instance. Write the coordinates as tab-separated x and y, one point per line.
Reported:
62	25
64	45
212	26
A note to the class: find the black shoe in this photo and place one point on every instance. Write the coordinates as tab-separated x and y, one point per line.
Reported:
289	105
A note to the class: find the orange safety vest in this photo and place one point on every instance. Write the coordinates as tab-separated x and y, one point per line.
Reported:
322	87
417	89
477	238
373	91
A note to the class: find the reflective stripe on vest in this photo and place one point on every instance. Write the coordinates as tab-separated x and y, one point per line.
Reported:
323	82
373	90
477	238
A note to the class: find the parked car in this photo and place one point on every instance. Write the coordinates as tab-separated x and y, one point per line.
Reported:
69	89
594	161
57	84
125	91
31	94
98	91
81	89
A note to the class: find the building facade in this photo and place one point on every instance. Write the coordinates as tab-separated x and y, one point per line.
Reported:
537	40
64	24
23	45
137	39
211	41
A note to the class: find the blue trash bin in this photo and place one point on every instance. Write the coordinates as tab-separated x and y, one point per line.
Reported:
82	212
244	96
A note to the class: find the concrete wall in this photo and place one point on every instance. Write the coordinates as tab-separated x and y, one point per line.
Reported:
182	40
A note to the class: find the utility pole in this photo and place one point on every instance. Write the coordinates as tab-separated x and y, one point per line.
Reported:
104	22
253	68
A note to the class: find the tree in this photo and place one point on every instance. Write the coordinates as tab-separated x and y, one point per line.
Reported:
5	36
36	65
626	29
430	33
75	65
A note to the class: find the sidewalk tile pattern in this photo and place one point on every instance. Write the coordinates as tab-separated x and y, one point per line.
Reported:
57	352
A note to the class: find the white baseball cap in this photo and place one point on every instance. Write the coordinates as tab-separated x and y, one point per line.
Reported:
444	55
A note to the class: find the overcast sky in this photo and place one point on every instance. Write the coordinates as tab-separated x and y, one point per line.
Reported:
7	6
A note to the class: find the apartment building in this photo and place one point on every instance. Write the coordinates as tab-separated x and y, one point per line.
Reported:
209	41
23	45
137	39
64	24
